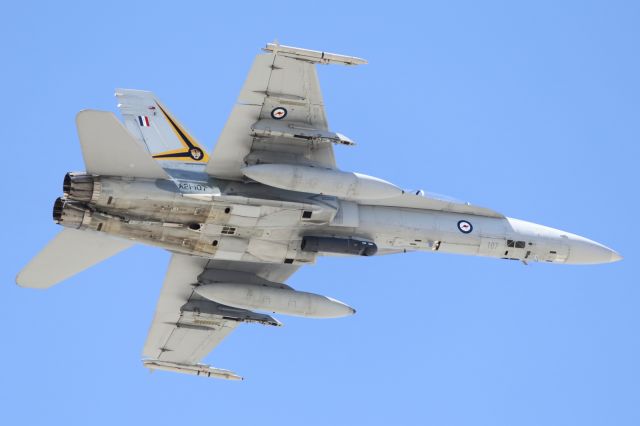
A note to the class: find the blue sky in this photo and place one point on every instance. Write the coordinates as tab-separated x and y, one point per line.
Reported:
531	109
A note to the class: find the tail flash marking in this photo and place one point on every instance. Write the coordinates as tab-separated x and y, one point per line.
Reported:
143	120
190	152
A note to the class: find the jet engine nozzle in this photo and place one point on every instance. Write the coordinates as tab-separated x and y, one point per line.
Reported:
79	186
70	215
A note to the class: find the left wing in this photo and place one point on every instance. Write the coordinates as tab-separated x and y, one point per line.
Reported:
186	327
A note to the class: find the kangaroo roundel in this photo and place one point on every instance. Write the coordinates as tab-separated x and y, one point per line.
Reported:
465	227
279	113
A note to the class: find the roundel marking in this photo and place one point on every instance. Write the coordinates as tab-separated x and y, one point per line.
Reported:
465	227
278	113
196	153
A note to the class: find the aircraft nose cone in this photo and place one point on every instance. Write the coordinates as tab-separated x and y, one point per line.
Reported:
615	256
585	251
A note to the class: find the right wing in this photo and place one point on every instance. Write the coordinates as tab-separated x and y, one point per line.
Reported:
279	116
186	327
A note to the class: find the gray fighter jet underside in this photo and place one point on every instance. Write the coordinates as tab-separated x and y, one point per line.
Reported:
241	220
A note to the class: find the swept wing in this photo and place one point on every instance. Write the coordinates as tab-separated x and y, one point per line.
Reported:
186	327
279	116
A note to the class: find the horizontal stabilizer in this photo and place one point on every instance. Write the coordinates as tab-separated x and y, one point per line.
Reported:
110	150
70	252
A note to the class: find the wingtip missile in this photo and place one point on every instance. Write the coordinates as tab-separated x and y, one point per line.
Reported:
314	56
193	369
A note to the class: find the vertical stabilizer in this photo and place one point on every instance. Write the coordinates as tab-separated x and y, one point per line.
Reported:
110	150
159	130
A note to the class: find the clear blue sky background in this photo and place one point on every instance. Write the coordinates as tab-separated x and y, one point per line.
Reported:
532	109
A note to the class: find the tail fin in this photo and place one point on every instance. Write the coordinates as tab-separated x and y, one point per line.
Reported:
153	125
70	252
109	149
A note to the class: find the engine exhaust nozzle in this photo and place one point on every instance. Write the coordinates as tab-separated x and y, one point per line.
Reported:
69	214
79	186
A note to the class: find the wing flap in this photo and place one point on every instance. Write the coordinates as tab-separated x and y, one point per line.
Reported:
70	252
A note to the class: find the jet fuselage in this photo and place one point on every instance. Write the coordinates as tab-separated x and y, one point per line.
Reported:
249	221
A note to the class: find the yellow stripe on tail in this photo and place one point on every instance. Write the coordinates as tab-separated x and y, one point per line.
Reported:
191	151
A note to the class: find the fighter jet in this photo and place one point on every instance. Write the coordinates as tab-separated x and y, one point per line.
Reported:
268	199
